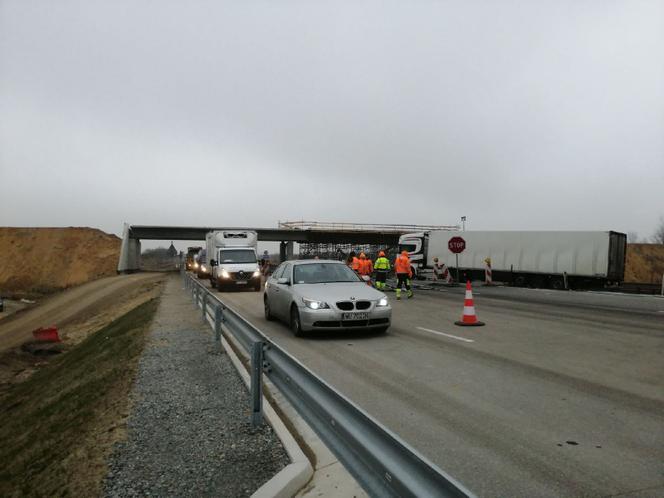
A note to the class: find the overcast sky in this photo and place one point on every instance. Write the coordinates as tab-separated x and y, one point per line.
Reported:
542	115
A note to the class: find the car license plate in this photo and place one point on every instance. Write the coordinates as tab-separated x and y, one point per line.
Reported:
241	282
355	316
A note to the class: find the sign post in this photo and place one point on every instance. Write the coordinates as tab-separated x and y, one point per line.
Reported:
456	245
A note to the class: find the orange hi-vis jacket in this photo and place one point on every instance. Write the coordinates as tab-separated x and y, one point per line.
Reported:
366	267
355	265
402	265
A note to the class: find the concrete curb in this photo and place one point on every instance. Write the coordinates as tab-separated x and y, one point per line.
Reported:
293	477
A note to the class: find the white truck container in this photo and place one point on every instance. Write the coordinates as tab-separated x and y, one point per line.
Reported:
232	258
539	259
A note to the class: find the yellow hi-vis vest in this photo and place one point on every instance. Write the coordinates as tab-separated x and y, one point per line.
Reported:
382	264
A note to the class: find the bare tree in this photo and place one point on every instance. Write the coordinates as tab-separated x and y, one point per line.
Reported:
658	236
632	237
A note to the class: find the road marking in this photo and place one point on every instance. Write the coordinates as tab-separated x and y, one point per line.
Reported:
446	335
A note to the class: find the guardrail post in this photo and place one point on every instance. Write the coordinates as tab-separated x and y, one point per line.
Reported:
217	324
204	306
662	284
256	383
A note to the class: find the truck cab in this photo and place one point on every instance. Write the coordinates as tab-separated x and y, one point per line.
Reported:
416	245
233	261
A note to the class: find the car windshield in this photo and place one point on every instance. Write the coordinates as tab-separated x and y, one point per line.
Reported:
237	256
320	273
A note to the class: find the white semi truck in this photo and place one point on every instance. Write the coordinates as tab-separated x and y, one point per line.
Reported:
232	258
538	259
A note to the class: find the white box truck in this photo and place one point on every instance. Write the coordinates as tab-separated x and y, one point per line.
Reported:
232	258
538	259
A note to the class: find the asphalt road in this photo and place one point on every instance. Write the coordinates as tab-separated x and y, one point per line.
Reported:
560	394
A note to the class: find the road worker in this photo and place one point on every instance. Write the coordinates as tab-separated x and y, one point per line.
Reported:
354	262
366	268
404	274
382	266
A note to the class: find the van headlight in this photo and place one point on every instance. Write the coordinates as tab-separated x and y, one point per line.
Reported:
225	274
195	265
257	273
382	302
203	269
315	305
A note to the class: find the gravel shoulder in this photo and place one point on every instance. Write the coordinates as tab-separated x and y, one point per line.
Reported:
189	432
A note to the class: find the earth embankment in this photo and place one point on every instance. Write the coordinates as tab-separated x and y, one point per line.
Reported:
37	261
644	263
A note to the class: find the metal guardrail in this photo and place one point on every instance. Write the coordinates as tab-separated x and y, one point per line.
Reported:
382	463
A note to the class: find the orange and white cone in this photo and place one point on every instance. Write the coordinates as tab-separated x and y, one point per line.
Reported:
469	318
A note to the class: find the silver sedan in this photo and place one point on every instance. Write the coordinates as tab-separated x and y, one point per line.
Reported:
324	295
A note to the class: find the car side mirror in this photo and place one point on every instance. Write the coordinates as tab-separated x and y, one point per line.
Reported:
283	281
213	262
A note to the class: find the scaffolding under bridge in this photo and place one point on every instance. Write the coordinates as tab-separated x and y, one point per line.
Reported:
341	250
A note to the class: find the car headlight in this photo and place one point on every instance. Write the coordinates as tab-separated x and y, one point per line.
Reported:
203	269
315	305
195	265
225	274
382	302
257	273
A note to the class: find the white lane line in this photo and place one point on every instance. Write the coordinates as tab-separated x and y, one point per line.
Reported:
446	335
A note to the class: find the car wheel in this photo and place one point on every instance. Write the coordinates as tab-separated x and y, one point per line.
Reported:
268	312
295	324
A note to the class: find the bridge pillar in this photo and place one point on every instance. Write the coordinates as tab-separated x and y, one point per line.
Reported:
130	253
285	251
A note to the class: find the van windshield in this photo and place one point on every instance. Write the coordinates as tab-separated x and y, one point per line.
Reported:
237	256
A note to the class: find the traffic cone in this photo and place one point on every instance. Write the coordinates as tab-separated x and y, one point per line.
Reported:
469	318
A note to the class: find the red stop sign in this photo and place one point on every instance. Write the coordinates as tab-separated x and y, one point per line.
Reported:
456	245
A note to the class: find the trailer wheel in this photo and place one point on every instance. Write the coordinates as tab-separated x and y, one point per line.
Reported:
557	284
520	281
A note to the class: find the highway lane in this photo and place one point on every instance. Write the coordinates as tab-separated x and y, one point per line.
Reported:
561	394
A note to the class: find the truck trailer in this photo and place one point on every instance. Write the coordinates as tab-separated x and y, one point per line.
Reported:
539	259
232	259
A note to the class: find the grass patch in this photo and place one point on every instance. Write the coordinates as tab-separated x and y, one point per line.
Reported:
59	426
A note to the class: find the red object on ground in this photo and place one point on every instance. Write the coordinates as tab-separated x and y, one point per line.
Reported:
469	317
48	334
456	245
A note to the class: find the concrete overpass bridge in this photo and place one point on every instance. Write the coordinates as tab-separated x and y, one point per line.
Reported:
286	234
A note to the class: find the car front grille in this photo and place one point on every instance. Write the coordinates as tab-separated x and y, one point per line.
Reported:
350	305
241	275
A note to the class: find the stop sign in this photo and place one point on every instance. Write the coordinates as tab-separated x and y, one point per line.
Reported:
456	245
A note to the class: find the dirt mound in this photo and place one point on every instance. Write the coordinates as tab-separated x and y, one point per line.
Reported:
36	261
645	263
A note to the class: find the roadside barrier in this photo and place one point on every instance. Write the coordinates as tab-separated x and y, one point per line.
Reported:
488	280
382	463
47	334
469	318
